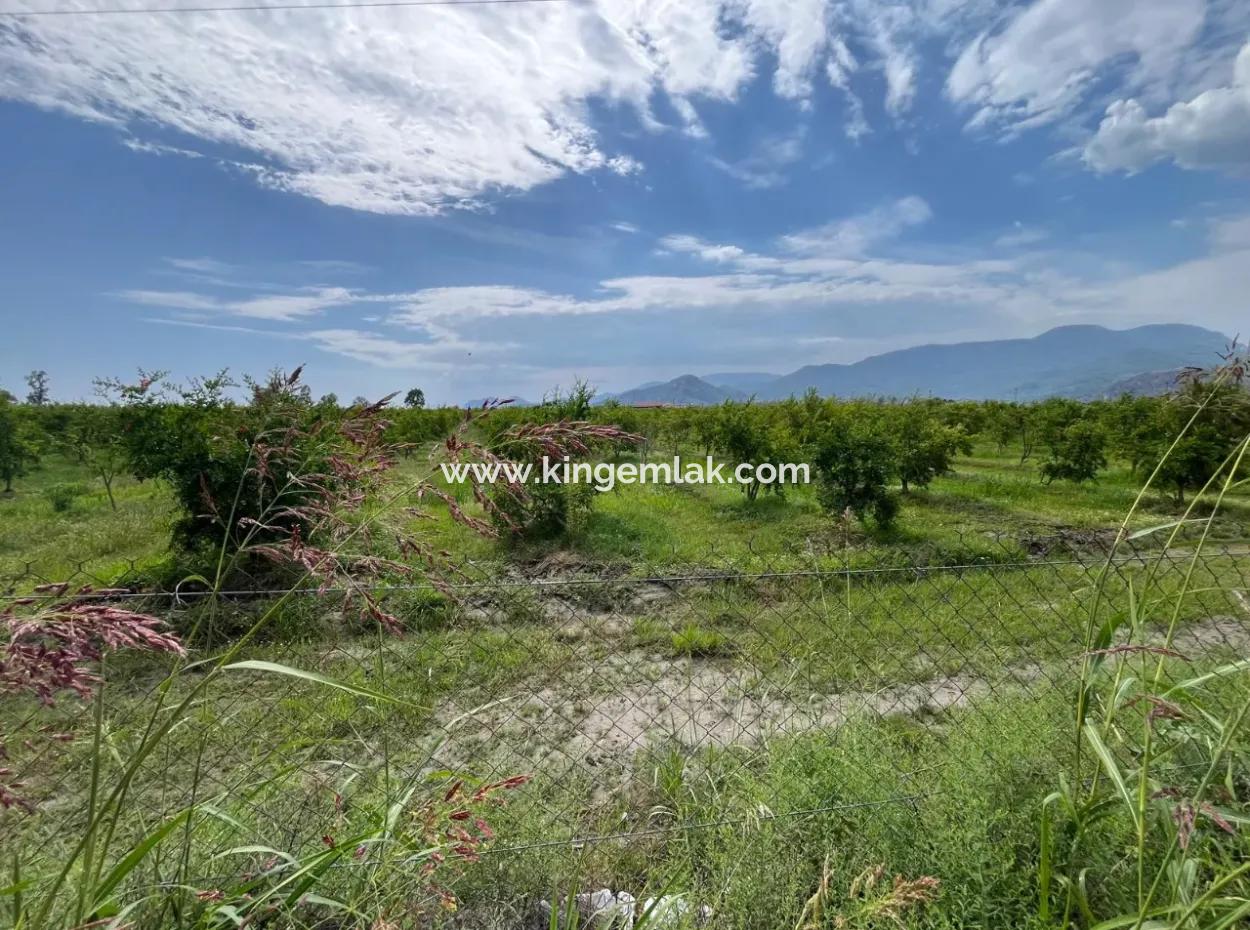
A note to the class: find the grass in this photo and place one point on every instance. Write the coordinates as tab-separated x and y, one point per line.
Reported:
88	538
757	736
981	511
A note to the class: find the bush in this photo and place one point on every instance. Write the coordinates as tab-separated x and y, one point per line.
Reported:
540	510
854	467
1077	455
247	476
924	446
62	496
545	511
17	449
745	436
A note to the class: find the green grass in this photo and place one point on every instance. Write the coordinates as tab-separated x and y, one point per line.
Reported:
743	729
91	537
983	510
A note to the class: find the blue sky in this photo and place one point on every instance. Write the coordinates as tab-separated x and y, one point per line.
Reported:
496	199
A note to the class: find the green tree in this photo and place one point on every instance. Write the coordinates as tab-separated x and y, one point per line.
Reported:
924	445
1077	455
37	381
1135	428
17	450
855	465
745	436
415	399
546	509
226	463
94	439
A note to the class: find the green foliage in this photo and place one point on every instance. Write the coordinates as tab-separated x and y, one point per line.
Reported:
37	381
855	466
17	446
1220	415
94	438
1136	430
415	399
925	446
544	510
62	496
1077	455
206	448
745	435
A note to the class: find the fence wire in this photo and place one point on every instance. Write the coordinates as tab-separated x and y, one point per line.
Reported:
625	692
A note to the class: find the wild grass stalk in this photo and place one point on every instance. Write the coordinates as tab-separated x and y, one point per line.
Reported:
1153	730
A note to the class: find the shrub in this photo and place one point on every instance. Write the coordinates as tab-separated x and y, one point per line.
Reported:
1077	455
542	510
854	466
924	446
1221	418
62	496
745	436
17	450
246	475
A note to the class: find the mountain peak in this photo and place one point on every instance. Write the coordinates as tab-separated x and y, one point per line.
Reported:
1073	360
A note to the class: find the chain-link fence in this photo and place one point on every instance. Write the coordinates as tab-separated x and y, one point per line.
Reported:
643	702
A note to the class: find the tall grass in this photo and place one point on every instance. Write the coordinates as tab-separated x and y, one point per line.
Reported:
1159	772
1144	829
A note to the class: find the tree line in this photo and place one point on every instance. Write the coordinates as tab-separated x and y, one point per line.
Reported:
864	453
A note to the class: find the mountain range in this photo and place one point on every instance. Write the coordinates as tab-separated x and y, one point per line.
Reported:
1082	361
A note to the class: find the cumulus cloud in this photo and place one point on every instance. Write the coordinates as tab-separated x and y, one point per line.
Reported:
1047	57
1212	130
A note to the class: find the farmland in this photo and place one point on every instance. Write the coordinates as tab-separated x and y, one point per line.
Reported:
748	702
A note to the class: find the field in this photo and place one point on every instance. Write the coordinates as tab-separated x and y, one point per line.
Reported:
737	702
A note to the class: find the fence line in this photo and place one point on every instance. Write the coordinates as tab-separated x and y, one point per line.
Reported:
630	697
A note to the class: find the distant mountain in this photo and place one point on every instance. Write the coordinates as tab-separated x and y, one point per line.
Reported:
746	381
1147	384
686	390
1070	361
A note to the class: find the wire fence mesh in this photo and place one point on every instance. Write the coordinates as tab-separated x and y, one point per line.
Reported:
644	702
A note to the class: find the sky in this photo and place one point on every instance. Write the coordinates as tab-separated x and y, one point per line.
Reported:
495	199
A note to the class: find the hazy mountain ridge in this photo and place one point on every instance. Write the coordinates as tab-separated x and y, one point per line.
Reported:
683	390
746	381
1146	384
1081	361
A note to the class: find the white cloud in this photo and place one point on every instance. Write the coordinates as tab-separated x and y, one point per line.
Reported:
1210	131
410	111
765	166
448	354
1047	58
821	286
856	235
1021	235
692	245
279	307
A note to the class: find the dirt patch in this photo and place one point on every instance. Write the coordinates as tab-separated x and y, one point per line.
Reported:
1212	635
1067	541
604	712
